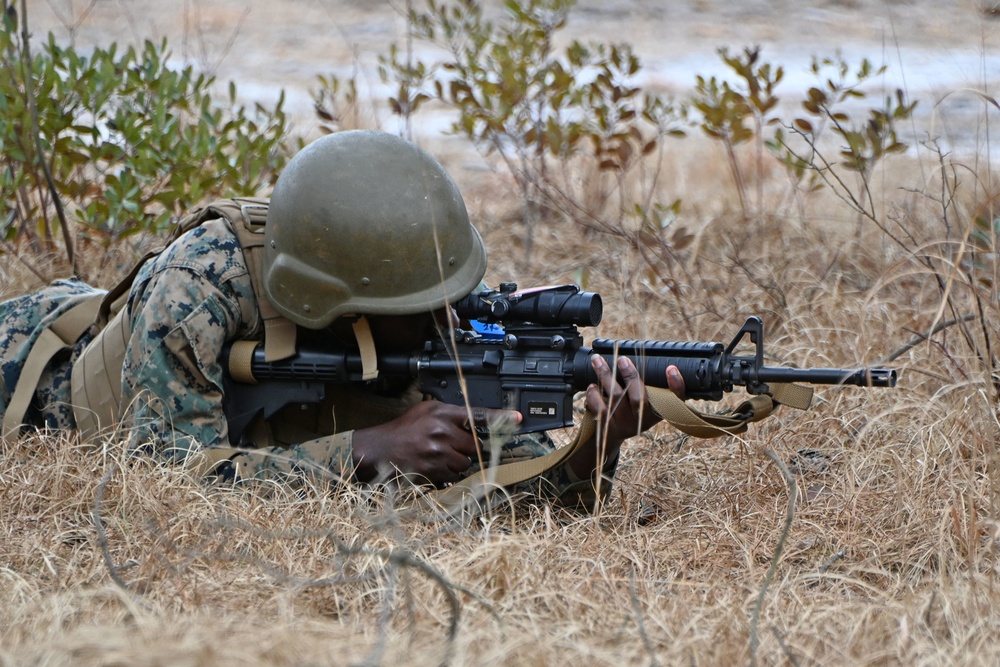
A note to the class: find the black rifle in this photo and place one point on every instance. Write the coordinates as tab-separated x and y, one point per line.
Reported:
524	353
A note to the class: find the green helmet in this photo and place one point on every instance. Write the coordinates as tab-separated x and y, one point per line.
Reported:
366	223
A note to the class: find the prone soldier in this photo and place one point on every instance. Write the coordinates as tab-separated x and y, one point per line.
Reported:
366	241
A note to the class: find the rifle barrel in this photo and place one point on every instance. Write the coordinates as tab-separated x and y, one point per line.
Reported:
861	377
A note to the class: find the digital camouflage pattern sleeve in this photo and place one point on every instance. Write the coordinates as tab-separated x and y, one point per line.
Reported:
183	306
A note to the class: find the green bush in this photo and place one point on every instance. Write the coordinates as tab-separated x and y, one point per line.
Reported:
128	141
541	108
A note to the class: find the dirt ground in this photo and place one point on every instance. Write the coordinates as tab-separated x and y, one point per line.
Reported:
934	49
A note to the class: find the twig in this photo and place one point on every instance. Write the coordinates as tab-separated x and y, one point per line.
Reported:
102	536
640	626
930	608
28	265
212	69
755	617
831	560
919	338
397	557
375	656
130	19
784	647
988	356
37	132
71	24
393	575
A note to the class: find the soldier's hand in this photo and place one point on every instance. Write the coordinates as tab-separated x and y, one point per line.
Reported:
432	441
620	403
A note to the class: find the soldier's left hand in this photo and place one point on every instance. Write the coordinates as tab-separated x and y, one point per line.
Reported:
619	401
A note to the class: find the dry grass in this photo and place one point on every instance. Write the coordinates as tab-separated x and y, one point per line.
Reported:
890	556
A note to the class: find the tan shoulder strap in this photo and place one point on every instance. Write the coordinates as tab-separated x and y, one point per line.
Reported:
96	380
60	335
248	225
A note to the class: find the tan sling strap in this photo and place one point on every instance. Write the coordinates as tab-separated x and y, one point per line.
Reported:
481	483
701	425
664	402
793	395
60	335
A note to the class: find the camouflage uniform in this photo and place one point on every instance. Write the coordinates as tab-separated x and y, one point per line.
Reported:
183	307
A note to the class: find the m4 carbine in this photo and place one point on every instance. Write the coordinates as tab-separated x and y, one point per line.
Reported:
525	353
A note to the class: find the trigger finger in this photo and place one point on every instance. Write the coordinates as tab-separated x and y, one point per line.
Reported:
487	418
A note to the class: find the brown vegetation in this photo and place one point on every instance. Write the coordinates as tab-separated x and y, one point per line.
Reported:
863	531
889	557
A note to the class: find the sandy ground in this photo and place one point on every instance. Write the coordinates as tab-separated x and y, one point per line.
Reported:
935	49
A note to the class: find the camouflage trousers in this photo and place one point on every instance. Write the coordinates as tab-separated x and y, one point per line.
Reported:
22	320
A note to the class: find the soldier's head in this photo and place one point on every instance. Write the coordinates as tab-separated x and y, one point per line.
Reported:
366	223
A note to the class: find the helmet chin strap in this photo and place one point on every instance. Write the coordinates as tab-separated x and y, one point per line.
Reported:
366	345
279	336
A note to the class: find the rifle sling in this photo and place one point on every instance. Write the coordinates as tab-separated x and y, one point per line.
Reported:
665	403
464	494
793	395
366	345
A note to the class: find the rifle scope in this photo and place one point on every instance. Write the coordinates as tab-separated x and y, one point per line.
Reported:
564	305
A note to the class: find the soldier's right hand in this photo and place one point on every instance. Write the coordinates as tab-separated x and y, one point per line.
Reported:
432	443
